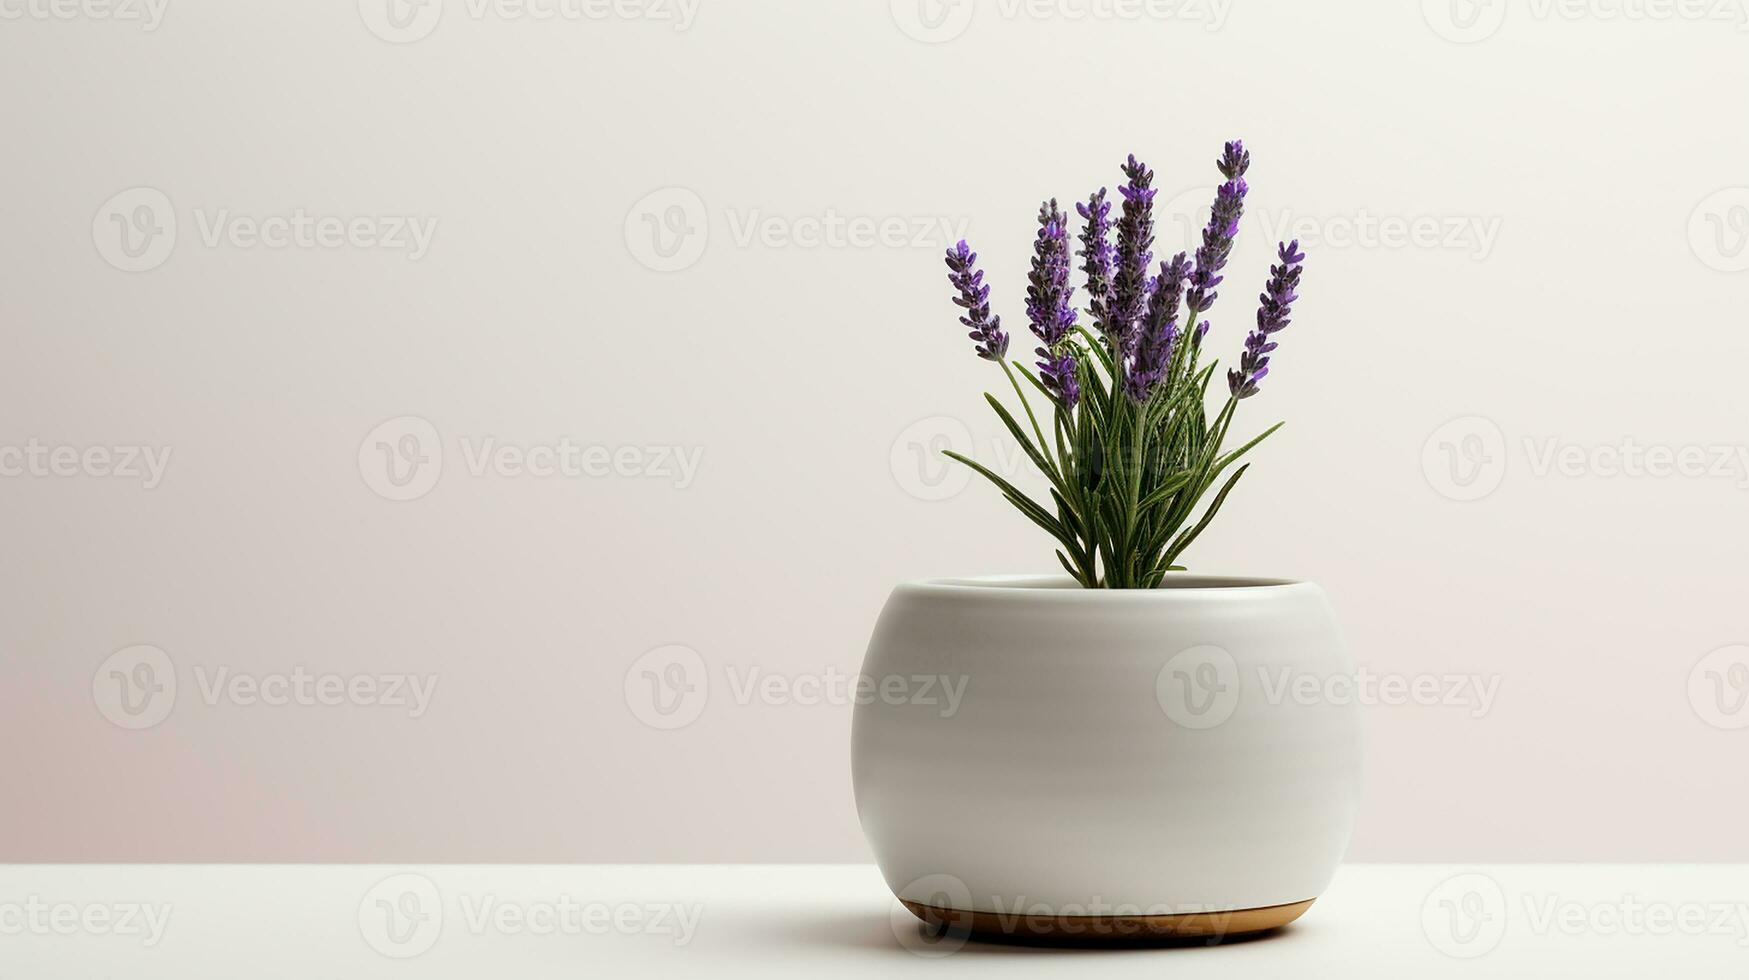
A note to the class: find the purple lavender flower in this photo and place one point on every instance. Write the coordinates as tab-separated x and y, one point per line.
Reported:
1096	257
1058	374
1135	236
1275	305
1048	294
1217	238
1048	306
1217	243
974	298
1235	160
1277	299
1159	332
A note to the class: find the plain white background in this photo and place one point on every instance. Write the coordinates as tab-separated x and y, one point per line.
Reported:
712	232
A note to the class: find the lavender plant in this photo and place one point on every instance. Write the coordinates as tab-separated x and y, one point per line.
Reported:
1127	447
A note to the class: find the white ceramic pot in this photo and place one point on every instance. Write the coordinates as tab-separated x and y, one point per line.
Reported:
1118	762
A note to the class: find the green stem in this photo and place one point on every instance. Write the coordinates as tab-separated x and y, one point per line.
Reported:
1097	345
1043	446
1187	338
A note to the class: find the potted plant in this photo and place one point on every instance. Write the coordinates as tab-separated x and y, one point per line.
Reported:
1124	761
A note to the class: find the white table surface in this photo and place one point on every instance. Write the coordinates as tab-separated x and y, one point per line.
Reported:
836	921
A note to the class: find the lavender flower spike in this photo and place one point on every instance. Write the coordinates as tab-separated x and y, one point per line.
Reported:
974	298
1135	236
1058	374
1223	226
1235	160
1048	291
1275	305
1159	332
1096	257
1048	306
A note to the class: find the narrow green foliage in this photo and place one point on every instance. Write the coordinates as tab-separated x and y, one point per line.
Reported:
1127	480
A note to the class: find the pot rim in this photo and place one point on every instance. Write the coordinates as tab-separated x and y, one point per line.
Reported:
1063	588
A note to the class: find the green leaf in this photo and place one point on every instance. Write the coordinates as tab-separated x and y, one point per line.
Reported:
1074	572
1026	505
1166	489
1228	459
1185	539
1020	436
